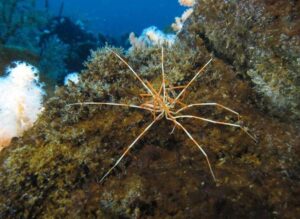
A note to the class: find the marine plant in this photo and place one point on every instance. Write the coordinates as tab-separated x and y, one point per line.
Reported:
167	102
261	40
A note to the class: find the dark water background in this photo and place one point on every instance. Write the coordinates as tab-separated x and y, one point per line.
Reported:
117	17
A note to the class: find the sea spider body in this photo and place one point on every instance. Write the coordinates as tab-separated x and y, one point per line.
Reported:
162	103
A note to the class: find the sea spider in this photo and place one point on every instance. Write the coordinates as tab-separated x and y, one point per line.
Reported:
162	103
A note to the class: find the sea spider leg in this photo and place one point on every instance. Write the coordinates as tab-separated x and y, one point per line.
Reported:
130	146
112	104
163	74
131	69
173	88
216	122
191	81
173	119
208	104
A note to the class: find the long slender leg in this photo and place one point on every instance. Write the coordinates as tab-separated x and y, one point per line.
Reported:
196	143
145	95
208	104
176	87
130	146
216	122
191	81
131	69
172	91
178	101
151	104
163	74
111	104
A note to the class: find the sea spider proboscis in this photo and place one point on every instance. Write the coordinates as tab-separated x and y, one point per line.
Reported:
163	103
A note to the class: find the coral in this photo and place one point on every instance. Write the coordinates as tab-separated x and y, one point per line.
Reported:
188	3
64	29
53	51
151	36
21	23
179	21
20	101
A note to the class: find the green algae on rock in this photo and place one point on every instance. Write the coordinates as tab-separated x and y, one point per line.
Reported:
53	170
261	39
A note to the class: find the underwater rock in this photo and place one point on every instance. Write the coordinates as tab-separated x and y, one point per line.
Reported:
9	54
72	35
54	169
261	39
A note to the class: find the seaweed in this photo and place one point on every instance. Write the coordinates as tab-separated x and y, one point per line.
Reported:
53	170
260	39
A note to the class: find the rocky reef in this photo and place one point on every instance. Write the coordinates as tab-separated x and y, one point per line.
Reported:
10	54
53	171
261	40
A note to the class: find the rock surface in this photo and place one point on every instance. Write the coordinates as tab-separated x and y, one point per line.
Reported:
261	40
53	171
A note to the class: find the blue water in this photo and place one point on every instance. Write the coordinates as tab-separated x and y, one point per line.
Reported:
117	17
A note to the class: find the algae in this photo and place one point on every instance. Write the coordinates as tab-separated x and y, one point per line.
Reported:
261	40
53	170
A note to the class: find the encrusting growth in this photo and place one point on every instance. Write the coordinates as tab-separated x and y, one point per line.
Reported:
166	103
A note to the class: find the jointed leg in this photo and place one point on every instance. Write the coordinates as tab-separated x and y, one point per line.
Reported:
196	143
172	89
111	104
131	69
191	81
129	147
171	100
216	122
163	83
208	104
